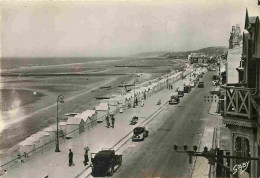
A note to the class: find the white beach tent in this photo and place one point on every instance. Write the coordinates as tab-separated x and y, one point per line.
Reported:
113	106
52	132
121	101
89	117
92	116
102	110
38	138
46	137
75	126
26	146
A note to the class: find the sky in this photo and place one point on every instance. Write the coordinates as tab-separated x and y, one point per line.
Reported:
117	28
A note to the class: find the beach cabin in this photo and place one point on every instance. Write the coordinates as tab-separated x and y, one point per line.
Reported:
102	110
113	106
38	137
75	126
26	146
92	117
121	102
46	137
51	131
89	117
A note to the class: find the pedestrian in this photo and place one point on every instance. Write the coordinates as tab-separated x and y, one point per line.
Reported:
70	157
142	102
108	122
113	121
86	160
136	101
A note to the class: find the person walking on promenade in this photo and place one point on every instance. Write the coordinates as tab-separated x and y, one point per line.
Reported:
113	120
142	102
136	101
86	160
70	157
108	122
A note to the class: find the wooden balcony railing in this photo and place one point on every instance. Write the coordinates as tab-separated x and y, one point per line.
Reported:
238	102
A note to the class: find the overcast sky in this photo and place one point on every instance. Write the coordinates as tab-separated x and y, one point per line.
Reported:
117	28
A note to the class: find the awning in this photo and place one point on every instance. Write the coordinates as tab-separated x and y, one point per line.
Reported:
237	121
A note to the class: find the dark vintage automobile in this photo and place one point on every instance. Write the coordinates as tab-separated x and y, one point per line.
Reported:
134	120
180	93
201	85
104	163
187	89
140	133
174	99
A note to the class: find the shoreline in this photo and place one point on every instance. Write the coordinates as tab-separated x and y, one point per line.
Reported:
5	152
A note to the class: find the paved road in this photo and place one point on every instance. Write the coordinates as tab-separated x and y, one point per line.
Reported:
178	124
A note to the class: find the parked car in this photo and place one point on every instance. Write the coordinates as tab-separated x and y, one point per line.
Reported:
201	85
192	84
104	162
174	99
187	89
134	120
140	133
180	93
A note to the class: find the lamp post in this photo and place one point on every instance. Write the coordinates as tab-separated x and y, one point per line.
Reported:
134	92
59	100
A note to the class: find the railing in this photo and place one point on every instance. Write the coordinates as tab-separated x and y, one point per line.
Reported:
238	101
46	147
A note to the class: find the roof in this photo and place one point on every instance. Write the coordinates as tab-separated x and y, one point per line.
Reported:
102	107
74	120
62	123
113	102
238	121
49	129
106	153
103	104
25	143
33	139
43	133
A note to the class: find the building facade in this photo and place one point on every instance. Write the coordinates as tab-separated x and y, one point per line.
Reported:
241	114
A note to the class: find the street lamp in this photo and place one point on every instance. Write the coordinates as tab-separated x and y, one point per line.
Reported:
59	100
134	91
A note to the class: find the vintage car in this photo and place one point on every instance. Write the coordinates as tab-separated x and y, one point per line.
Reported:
201	85
180	93
140	133
104	163
192	84
134	120
187	89
174	99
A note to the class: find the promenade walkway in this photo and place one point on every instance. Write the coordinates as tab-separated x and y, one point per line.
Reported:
53	164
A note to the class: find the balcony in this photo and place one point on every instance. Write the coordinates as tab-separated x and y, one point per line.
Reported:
238	101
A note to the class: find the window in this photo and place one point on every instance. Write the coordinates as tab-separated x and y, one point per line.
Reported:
242	149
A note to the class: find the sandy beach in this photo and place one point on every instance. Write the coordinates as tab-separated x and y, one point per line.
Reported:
34	91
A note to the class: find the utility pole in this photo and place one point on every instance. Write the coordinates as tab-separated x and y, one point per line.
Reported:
167	82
